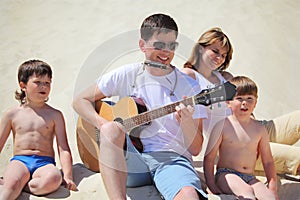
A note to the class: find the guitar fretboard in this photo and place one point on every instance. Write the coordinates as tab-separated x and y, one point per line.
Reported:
148	116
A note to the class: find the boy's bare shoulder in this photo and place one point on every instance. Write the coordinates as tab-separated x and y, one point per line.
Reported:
10	112
17	110
222	124
259	127
226	120
51	110
257	123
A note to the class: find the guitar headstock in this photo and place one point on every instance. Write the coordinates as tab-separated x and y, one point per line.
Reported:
223	92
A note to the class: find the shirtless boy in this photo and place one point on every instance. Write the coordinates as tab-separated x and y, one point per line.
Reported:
34	125
241	140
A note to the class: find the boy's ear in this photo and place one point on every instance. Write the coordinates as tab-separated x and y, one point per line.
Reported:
255	103
142	45
228	104
22	85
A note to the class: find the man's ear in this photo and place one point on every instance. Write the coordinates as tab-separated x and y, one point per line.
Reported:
142	44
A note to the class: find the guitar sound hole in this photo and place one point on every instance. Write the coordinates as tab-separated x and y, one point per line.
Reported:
118	119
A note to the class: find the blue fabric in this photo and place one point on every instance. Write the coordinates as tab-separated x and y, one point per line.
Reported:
246	177
138	171
168	171
171	172
33	162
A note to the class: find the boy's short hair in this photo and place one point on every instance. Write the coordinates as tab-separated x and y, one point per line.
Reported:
157	23
244	86
29	68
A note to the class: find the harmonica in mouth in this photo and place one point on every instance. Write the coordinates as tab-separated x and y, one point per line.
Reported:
155	64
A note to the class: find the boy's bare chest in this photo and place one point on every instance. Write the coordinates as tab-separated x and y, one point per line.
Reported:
241	138
27	122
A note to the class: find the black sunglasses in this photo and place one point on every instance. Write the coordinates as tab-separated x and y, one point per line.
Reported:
172	46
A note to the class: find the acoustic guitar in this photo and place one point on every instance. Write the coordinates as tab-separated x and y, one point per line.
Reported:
133	115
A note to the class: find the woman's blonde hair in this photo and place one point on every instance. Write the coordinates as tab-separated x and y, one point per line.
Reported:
206	39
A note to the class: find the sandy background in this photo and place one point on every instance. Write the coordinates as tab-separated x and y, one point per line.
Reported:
82	39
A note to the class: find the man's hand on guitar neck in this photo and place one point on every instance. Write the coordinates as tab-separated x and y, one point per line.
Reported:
183	112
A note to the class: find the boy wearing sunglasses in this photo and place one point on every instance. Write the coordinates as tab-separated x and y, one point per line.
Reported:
169	142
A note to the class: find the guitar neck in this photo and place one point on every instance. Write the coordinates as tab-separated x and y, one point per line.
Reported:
206	97
148	116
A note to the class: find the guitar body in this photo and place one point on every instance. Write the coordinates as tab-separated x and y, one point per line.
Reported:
88	136
87	145
125	108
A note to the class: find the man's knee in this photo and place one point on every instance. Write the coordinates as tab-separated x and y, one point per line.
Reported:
187	192
111	132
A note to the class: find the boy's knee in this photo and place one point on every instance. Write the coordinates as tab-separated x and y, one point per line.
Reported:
14	184
46	184
266	195
248	193
55	178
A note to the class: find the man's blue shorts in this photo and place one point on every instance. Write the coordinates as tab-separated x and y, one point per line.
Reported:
33	162
168	171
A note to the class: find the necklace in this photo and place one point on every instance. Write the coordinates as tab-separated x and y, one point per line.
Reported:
172	88
175	83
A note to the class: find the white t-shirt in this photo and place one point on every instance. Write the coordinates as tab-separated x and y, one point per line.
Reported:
163	134
215	112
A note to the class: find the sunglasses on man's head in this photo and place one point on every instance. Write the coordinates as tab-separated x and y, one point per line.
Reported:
163	46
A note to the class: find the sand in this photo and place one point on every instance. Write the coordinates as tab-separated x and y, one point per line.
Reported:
70	35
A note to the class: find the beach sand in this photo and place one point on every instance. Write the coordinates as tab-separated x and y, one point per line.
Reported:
71	34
